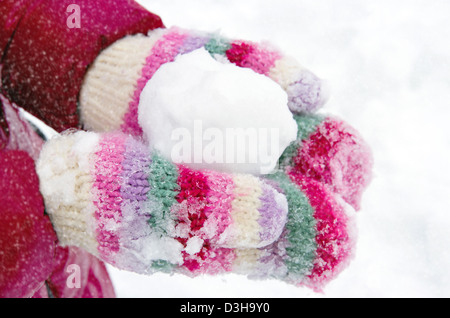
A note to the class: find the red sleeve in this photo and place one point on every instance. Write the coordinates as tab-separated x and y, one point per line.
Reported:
11	11
44	60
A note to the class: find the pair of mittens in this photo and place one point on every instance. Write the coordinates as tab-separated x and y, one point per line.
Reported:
111	195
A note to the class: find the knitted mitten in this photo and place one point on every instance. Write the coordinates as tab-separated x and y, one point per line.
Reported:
90	179
110	95
112	196
332	152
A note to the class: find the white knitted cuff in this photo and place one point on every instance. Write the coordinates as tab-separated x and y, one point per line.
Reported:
112	80
64	164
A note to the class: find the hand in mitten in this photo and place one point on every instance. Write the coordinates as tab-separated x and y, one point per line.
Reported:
330	151
111	91
112	196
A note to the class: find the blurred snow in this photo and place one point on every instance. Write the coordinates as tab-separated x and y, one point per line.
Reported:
388	66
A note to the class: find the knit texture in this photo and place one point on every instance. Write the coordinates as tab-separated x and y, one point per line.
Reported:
112	80
334	232
165	50
317	241
293	254
146	214
245	212
67	188
117	183
332	152
107	177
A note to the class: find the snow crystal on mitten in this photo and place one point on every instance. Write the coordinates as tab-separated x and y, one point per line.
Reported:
110	195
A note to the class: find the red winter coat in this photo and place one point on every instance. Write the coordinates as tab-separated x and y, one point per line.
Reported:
43	61
45	57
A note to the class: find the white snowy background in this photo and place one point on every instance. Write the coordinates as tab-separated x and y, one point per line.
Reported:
388	65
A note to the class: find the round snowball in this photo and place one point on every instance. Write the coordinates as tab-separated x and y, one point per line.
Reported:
208	114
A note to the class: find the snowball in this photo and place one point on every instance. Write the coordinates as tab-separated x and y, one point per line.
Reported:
207	114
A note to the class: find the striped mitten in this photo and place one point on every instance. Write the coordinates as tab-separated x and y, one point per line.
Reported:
332	152
112	196
110	95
